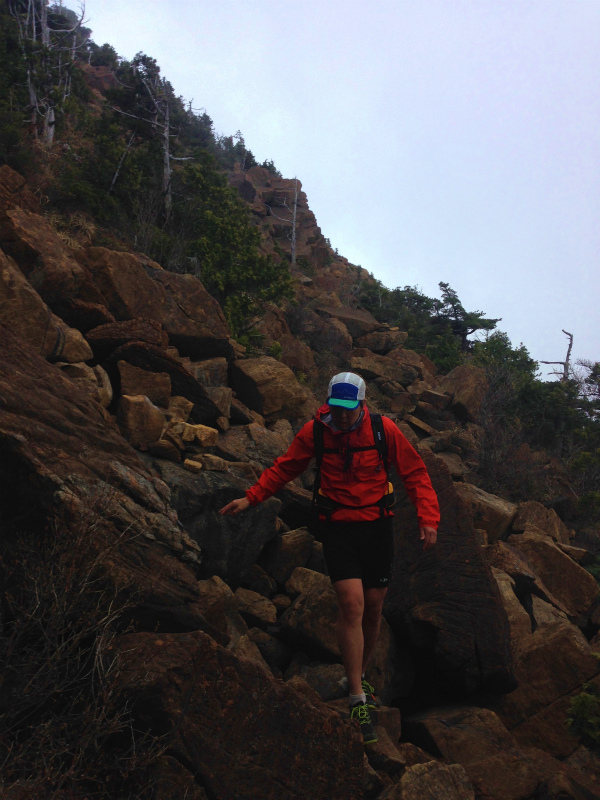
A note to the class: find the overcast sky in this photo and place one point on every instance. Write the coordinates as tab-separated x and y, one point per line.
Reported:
437	140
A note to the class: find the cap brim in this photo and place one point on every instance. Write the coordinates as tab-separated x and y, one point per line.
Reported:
350	404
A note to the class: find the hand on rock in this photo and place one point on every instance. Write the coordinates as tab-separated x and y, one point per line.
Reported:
428	536
234	508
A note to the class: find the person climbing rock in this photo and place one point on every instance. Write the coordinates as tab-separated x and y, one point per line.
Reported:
352	501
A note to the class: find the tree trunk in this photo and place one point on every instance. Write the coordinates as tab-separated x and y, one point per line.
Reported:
167	167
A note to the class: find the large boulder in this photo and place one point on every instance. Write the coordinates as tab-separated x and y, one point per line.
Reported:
445	601
382	342
24	312
490	513
269	387
40	255
358	321
106	338
241	732
574	587
253	443
15	192
371	366
230	545
468	385
533	517
323	334
137	287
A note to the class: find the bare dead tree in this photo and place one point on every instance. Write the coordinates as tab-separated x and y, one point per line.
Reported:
566	364
48	73
292	221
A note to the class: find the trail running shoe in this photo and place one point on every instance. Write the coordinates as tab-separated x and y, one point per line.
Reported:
372	701
360	712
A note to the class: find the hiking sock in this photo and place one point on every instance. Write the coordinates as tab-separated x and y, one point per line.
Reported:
353	699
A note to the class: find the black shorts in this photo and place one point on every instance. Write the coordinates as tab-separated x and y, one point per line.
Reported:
362	550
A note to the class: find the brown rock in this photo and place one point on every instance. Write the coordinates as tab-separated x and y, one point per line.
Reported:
84	315
384	756
271	748
477	740
468	386
173	781
214	463
153	359
257	580
135	288
445	602
166	449
421	426
269	387
62	455
106	338
283	554
533	517
14	192
436	399
221	397
180	408
209	372
432	781
255	609
310	624
40	255
371	366
489	512
92	380
140	422
156	386
507	558
251	443
357	321
408	358
327	680
553	661
24	312
381	342
574	587
303	580
192	466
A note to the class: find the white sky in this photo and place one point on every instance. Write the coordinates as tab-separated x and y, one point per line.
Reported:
437	140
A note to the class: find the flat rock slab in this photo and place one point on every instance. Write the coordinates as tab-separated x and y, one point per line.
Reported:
432	781
243	733
489	512
358	321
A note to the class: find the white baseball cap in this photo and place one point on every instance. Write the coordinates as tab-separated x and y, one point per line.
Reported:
346	390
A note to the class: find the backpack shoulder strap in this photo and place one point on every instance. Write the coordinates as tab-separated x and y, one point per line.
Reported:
319	441
380	439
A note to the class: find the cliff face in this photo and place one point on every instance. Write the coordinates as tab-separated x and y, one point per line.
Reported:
125	401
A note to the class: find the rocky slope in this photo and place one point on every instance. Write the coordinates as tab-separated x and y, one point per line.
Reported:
121	391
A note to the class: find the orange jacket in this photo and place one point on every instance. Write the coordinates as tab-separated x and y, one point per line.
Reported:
365	479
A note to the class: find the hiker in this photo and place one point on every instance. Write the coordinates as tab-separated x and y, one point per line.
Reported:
352	500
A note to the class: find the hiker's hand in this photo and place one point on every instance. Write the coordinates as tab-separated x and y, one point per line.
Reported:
428	536
234	508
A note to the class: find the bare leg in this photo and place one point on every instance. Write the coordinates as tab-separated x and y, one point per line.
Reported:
351	605
371	622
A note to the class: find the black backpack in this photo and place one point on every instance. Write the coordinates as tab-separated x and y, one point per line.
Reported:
324	505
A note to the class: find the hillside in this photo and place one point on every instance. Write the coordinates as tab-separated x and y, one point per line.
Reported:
170	314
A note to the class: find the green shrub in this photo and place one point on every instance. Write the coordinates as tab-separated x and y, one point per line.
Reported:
583	718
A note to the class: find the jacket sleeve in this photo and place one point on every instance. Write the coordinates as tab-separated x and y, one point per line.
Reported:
413	474
286	467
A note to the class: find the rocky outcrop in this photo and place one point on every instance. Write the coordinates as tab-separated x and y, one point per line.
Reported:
235	727
467	385
137	288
